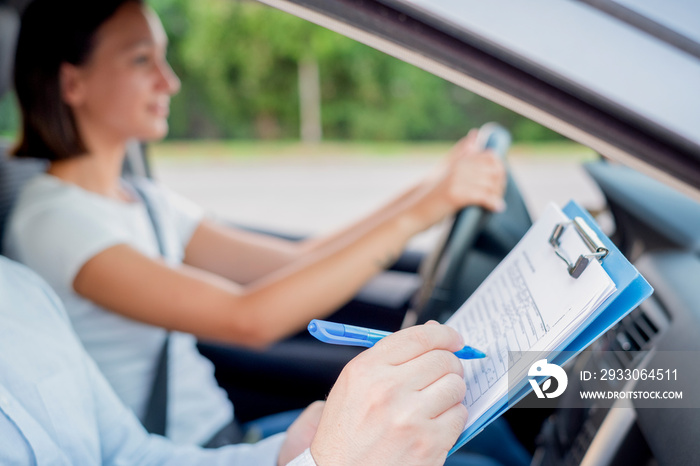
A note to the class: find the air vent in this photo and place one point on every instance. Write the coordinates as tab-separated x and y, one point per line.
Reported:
634	333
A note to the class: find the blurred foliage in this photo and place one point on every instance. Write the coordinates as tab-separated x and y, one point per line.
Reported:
9	116
238	63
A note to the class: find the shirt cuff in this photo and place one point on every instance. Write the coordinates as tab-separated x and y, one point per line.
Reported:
305	459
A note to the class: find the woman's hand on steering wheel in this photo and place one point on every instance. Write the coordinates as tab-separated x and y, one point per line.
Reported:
468	176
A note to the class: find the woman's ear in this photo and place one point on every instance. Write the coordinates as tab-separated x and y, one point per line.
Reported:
72	89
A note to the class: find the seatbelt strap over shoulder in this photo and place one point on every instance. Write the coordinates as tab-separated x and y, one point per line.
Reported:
155	420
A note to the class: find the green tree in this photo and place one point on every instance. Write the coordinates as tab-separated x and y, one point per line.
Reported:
239	64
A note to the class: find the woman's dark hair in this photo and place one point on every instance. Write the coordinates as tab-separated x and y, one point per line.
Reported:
54	32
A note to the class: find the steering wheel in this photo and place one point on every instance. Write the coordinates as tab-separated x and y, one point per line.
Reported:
441	270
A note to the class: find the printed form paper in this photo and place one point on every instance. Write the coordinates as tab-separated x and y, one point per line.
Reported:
528	303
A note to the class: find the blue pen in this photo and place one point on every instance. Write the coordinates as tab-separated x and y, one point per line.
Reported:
350	335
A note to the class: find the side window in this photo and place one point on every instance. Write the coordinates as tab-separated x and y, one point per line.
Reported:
9	119
283	124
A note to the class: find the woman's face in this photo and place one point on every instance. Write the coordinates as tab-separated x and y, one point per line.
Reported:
123	90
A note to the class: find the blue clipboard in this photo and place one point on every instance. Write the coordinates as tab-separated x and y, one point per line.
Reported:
631	290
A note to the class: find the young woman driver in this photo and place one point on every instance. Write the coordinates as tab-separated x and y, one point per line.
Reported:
91	76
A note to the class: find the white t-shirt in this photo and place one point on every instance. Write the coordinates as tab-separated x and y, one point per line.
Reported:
55	228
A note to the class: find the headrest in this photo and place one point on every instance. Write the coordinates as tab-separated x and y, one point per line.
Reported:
9	28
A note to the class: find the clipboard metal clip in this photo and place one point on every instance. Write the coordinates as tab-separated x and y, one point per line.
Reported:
598	249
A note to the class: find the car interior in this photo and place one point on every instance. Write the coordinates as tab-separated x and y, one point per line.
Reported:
655	226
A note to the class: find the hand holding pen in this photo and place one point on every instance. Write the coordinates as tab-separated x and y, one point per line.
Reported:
400	402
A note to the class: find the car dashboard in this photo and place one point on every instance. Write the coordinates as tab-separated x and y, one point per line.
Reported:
661	333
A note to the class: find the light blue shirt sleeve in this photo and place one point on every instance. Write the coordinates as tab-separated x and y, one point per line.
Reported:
125	442
56	407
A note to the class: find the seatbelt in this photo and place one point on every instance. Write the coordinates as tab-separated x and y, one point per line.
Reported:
156	417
